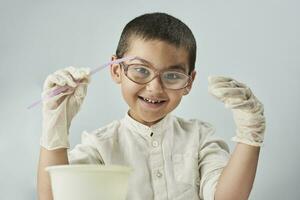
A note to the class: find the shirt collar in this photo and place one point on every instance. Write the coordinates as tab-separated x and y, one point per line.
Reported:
157	128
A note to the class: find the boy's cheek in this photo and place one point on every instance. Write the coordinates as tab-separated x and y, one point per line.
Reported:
177	94
129	89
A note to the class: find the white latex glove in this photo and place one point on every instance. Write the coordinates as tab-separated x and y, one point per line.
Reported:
248	111
58	111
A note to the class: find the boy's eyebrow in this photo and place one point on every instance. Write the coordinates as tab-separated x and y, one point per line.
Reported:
143	60
176	66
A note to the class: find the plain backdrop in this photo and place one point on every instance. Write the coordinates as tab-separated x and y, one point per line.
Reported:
255	42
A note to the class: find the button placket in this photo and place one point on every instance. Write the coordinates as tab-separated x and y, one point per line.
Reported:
157	167
159	174
155	143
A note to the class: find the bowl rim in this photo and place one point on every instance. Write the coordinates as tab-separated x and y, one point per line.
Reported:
89	168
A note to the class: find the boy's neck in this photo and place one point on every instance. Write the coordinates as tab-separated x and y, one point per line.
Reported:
149	124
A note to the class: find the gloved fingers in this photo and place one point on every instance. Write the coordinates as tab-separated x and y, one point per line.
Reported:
54	102
225	93
77	98
84	75
67	77
60	78
81	74
217	79
221	81
247	109
80	91
252	105
49	92
53	80
239	84
232	103
229	84
249	103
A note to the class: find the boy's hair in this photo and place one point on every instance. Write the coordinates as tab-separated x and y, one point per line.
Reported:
159	26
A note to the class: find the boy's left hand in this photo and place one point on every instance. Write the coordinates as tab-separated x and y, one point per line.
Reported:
248	111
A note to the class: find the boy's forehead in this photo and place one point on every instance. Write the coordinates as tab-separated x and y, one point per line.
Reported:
159	54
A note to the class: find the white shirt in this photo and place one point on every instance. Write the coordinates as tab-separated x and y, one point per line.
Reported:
181	160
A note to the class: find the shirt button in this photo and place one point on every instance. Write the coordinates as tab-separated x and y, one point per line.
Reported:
155	143
158	174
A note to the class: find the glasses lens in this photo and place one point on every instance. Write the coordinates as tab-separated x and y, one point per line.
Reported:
142	74
174	80
139	73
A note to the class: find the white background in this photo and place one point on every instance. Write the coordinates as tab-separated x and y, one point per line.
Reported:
255	42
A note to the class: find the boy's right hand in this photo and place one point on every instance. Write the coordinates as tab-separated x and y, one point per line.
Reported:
248	111
59	110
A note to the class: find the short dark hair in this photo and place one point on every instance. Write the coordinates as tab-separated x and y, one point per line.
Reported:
159	26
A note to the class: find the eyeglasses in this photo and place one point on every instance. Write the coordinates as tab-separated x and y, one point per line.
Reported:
143	74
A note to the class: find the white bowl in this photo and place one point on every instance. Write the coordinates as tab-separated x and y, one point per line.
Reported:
89	182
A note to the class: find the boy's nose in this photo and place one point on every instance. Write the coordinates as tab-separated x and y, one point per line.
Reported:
155	85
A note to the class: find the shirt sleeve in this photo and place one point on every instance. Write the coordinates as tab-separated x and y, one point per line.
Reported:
213	157
86	152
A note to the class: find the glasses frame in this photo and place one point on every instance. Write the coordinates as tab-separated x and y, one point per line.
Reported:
157	73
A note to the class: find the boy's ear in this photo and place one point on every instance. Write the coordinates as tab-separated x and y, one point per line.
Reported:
189	87
116	71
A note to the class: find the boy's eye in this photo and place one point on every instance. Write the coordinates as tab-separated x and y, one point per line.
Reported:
141	70
173	76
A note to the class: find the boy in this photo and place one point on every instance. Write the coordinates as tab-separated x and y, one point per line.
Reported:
172	158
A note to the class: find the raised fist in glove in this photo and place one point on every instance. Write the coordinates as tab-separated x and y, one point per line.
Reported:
59	110
248	111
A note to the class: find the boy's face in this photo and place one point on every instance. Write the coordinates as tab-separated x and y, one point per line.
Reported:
159	56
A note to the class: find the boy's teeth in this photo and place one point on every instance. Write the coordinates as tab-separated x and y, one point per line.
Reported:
151	101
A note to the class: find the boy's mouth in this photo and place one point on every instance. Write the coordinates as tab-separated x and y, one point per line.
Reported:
152	101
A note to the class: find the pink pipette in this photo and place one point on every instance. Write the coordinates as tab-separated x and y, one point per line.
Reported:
92	72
